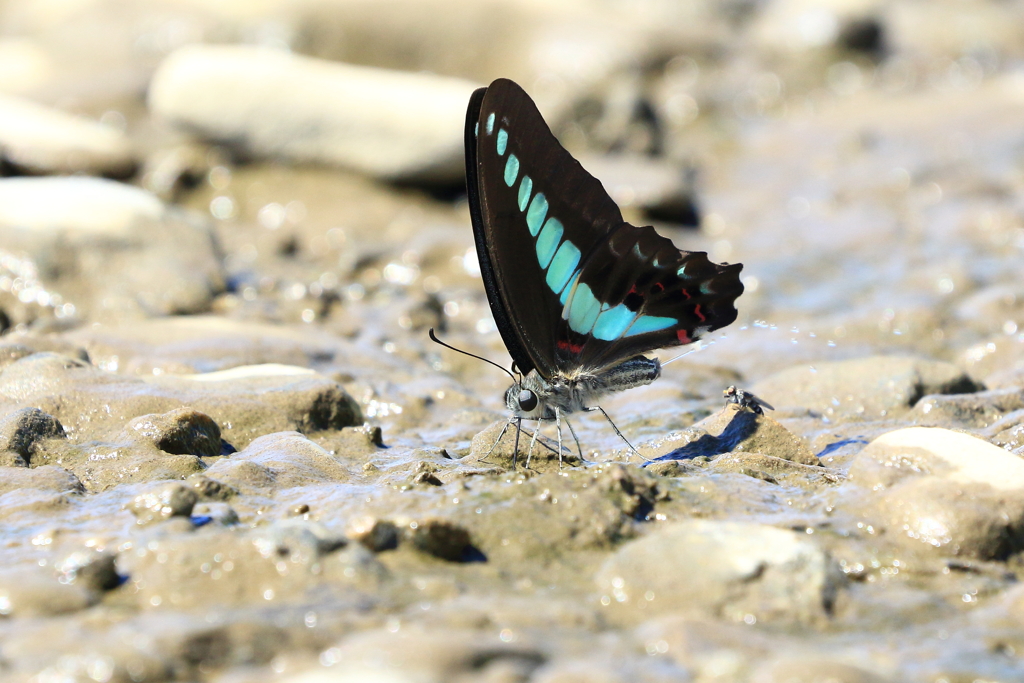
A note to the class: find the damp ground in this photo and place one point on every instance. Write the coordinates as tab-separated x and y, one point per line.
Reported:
229	452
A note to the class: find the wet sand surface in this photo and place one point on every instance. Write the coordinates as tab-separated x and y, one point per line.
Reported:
229	452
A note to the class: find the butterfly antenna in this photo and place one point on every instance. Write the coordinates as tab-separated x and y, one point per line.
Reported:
699	346
687	353
434	338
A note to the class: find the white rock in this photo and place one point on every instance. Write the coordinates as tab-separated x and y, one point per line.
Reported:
383	123
24	65
45	140
78	205
939	489
293	460
97	247
250	371
721	569
953	456
862	388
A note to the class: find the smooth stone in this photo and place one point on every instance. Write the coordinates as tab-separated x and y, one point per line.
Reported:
931	451
732	570
863	388
162	502
81	207
486	449
561	54
439	537
775	470
278	563
1007	432
812	668
298	540
211	489
412	655
1011	378
203	345
24	65
36	593
179	432
1001	356
91	568
610	667
20	430
976	410
710	648
989	309
732	429
288	459
39	139
947	490
106	402
376	534
219	513
107	250
46	478
250	371
386	124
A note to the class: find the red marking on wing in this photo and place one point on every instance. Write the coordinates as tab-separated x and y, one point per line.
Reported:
683	337
696	312
565	345
661	287
684	293
632	290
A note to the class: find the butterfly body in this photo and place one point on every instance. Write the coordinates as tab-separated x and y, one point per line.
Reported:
577	294
578	391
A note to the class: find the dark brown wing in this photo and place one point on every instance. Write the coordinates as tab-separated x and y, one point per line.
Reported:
569	283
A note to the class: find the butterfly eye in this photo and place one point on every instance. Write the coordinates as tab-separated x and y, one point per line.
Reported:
527	400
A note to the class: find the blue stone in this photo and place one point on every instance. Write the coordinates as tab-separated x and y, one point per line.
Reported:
650	323
582	310
490	123
548	241
537	213
613	322
525	190
562	266
511	170
502	142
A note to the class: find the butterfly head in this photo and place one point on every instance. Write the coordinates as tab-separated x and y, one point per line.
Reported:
521	401
527	398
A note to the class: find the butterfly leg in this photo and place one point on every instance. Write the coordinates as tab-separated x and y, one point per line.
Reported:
575	438
558	428
515	451
529	453
501	434
624	440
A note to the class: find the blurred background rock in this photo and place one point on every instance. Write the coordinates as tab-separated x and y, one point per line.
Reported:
318	144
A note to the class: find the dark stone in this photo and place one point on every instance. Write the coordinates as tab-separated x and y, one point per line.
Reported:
180	432
22	430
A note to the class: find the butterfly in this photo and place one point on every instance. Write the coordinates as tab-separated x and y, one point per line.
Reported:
577	294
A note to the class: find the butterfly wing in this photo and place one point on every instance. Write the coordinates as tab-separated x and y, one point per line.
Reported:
570	284
636	292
